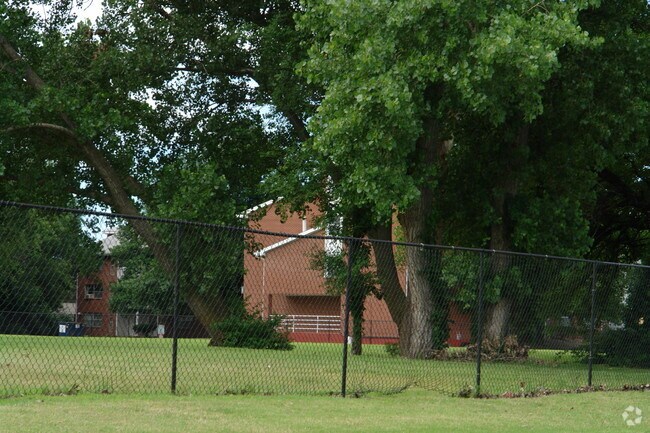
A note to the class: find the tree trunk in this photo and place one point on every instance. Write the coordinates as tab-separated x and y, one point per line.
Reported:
413	312
422	264
357	333
497	318
497	321
358	290
392	290
426	317
420	308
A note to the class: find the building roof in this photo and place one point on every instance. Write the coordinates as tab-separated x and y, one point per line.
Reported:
267	203
261	253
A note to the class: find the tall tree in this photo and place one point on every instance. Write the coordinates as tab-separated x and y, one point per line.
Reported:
133	121
397	76
578	182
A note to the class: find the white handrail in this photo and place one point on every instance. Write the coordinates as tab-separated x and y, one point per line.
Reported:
320	324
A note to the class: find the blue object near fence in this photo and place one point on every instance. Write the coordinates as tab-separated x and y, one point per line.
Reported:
71	329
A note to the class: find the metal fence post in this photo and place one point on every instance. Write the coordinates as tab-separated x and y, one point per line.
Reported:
593	323
177	271
479	331
346	317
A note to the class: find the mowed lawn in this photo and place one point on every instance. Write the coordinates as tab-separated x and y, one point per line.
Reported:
52	365
409	411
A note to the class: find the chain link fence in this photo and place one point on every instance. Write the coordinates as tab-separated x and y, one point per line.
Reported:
96	302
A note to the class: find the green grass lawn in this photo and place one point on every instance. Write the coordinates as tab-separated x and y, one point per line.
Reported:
410	411
51	365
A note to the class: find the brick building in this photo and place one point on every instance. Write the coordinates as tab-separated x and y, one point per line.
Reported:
92	305
281	279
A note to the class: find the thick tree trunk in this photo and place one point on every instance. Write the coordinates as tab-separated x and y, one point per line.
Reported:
497	315
420	296
413	311
426	318
357	333
392	290
421	264
497	318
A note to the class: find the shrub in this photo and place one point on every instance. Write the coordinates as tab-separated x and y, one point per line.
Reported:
253	331
619	348
392	349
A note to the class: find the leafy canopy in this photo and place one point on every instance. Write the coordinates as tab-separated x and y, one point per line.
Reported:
386	66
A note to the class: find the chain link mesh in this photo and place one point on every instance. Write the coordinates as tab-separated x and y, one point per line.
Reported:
99	303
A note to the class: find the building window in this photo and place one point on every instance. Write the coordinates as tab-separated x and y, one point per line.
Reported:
93	291
93	320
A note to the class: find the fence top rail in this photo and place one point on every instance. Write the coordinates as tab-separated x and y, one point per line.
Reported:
326	316
6	203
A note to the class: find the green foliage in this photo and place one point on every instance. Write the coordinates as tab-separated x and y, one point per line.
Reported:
620	348
211	264
440	320
41	256
636	312
629	346
334	264
442	296
392	349
143	287
180	122
363	281
196	104
386	67
253	331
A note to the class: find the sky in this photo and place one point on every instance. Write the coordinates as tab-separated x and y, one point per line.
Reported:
91	10
85	9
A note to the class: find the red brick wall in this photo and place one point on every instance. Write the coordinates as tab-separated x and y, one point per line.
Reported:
283	282
107	274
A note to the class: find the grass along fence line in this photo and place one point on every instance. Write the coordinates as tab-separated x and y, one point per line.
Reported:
413	410
52	365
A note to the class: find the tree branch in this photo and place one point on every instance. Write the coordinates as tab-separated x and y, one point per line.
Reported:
47	126
298	125
30	76
619	186
6	67
243	72
136	188
113	181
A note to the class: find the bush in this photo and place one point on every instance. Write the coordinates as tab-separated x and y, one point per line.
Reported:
620	348
253	331
392	349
